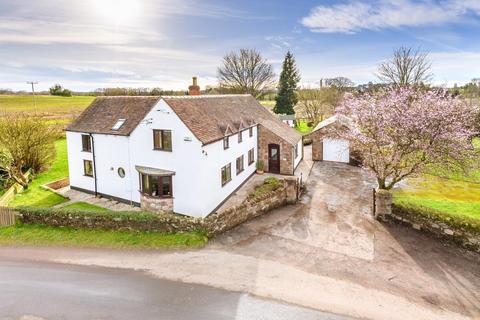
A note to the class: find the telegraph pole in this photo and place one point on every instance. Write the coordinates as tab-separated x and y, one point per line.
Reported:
33	83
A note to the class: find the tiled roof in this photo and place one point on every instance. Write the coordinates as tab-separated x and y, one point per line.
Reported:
209	117
105	112
212	117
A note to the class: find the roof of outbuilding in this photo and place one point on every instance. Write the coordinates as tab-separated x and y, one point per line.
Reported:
105	112
212	117
337	118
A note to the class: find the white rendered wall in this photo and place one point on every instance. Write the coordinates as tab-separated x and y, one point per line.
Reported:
216	158
197	187
299	157
75	162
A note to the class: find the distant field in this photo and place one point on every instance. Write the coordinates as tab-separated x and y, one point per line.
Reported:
45	104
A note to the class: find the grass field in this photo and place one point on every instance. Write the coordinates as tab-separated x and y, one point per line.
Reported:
455	197
35	195
49	236
84	206
45	104
456	193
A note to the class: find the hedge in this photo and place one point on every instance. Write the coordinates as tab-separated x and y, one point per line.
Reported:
120	221
454	221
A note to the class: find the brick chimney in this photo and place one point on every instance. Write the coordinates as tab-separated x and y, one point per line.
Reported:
194	89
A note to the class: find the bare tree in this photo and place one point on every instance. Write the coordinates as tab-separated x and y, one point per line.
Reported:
246	72
317	104
339	82
406	67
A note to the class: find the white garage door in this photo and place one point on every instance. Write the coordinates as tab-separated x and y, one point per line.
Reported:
335	150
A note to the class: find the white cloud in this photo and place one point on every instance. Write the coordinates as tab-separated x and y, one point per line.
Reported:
354	16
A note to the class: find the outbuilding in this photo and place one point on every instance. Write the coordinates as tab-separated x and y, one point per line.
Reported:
326	144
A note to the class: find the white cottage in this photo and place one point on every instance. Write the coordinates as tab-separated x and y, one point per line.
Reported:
182	154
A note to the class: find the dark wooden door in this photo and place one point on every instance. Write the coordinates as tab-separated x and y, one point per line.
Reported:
274	158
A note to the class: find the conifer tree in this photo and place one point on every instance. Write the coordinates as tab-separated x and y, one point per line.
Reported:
287	88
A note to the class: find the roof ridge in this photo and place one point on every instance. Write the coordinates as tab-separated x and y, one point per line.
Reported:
208	96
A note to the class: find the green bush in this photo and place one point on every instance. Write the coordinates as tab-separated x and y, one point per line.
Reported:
110	220
269	185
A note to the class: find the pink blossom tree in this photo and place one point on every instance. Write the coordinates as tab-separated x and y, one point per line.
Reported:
398	132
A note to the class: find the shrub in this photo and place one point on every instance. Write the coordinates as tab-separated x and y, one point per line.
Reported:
269	185
260	165
26	142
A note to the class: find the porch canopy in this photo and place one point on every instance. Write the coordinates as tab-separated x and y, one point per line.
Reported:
154	171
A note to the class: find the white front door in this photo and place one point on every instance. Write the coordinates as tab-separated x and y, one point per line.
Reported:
336	150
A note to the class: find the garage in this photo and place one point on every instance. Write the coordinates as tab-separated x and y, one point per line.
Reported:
326	146
336	150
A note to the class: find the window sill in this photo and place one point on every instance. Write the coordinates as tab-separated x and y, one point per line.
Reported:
226	182
154	197
250	163
87	175
164	150
87	151
238	172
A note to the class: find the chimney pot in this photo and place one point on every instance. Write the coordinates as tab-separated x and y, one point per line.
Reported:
194	89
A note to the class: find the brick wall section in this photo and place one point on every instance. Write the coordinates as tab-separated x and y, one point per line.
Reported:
266	137
332	130
158	205
462	236
317	149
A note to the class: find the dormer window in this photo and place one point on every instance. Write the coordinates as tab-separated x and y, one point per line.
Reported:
240	136
118	124
226	143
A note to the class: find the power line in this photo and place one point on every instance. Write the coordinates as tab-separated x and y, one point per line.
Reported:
33	83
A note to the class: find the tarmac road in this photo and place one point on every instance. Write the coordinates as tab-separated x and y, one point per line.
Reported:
37	291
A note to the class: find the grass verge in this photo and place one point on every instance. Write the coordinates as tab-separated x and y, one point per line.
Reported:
37	235
35	195
84	206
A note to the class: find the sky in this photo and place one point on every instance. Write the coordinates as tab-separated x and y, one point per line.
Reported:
89	44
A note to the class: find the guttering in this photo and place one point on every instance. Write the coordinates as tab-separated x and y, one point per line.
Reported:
94	164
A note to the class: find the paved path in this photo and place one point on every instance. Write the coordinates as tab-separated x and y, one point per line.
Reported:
35	291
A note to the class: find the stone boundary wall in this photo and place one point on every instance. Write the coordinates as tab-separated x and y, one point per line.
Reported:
217	223
213	224
466	236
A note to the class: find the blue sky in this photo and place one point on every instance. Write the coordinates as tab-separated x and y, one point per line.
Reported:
158	43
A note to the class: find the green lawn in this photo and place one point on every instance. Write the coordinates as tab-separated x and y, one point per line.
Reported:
454	197
36	235
35	195
49	104
302	127
454	192
84	206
